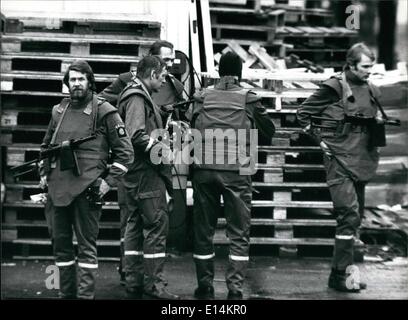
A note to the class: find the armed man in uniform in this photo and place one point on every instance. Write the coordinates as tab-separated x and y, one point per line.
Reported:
340	116
229	108
77	179
145	184
171	92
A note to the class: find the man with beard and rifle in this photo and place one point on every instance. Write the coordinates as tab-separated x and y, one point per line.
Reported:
77	176
345	117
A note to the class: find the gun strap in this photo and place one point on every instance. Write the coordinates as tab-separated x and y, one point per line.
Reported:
377	103
173	86
95	113
65	104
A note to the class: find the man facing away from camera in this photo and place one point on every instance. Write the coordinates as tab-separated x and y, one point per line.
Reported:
225	108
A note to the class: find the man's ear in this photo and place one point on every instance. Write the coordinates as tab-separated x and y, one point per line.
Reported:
153	75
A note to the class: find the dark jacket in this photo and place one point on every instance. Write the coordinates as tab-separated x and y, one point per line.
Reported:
95	117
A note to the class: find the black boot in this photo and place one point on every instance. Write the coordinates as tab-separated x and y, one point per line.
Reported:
204	293
338	281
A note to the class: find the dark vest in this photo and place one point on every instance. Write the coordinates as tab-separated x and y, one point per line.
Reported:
224	126
92	156
351	143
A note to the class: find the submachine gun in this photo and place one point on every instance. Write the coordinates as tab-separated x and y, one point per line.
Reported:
66	152
309	65
375	128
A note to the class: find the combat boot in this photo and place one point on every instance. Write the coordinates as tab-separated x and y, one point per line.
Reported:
134	293
204	293
161	294
338	282
234	295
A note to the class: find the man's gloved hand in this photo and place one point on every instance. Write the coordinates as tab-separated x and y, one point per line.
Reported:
43	182
167	108
103	188
325	149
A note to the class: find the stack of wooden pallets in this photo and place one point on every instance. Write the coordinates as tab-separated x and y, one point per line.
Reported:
35	53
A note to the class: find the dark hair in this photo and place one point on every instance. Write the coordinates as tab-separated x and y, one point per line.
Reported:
83	67
354	54
230	65
149	63
155	47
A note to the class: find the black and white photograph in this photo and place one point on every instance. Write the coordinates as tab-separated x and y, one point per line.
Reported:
191	152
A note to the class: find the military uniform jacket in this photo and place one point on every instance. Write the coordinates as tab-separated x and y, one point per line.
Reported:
339	96
67	123
141	117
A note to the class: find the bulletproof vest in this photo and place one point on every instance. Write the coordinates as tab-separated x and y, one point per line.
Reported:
224	126
92	156
355	100
136	88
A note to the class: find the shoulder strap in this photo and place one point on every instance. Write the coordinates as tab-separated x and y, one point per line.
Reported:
373	94
63	107
171	79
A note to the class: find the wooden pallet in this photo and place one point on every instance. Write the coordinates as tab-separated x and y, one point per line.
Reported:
79	23
50	81
243	16
76	45
32	61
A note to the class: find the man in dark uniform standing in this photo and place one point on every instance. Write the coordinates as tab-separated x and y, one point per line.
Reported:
171	92
350	158
145	184
72	192
229	108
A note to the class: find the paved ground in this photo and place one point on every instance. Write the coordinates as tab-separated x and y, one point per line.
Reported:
268	278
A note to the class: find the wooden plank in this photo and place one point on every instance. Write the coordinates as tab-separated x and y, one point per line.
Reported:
266	60
42	75
84	39
255	203
291	30
35	93
311	31
111	17
273	175
320	185
67	57
248	59
220	238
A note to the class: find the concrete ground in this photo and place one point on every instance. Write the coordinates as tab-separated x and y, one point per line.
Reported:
268	278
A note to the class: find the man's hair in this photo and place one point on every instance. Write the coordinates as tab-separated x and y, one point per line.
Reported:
155	47
83	67
149	63
355	52
230	65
